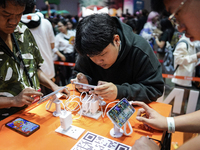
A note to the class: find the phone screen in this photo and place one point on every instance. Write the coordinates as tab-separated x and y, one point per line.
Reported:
50	96
121	112
22	126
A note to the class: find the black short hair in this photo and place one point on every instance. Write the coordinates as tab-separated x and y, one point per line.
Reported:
63	21
3	3
132	23
94	33
157	5
29	6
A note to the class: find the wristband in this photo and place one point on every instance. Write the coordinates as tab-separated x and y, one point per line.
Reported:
171	124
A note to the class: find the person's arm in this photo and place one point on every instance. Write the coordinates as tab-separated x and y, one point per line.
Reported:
56	49
50	84
62	57
52	45
160	44
144	143
45	81
146	35
184	123
198	55
188	122
51	36
146	32
192	144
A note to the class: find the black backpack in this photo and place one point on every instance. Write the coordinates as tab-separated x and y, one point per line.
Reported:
168	61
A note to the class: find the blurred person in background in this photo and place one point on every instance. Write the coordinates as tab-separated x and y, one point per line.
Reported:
186	57
149	27
133	24
54	24
43	33
142	20
164	39
64	43
70	25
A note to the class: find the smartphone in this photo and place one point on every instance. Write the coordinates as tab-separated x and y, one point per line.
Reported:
36	98
51	95
121	112
85	86
22	126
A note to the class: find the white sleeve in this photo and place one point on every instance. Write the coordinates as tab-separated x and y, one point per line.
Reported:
56	47
50	32
181	55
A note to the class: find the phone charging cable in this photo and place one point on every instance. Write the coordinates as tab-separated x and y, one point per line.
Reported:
130	127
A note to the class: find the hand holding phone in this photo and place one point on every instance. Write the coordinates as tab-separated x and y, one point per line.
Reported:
26	97
85	86
52	95
80	79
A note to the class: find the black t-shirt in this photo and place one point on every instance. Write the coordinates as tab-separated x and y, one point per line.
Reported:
164	36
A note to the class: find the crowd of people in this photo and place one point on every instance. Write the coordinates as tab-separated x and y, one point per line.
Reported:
161	33
149	25
154	27
115	53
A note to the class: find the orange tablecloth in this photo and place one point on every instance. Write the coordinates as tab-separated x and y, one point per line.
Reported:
47	138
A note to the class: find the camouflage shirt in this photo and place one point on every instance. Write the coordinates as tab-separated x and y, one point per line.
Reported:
13	78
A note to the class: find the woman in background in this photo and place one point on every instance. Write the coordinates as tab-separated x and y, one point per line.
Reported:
149	27
64	42
166	36
71	25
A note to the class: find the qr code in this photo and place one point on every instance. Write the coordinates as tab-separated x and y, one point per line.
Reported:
91	141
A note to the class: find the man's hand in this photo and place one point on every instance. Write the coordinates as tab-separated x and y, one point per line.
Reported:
144	143
25	97
106	90
80	77
62	57
150	117
198	55
64	90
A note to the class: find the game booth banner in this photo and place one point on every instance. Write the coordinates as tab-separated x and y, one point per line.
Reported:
115	7
131	6
128	7
112	7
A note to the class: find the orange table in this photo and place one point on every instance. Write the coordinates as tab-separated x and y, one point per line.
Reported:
47	138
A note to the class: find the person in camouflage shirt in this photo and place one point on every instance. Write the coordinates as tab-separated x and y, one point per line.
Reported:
13	77
16	88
